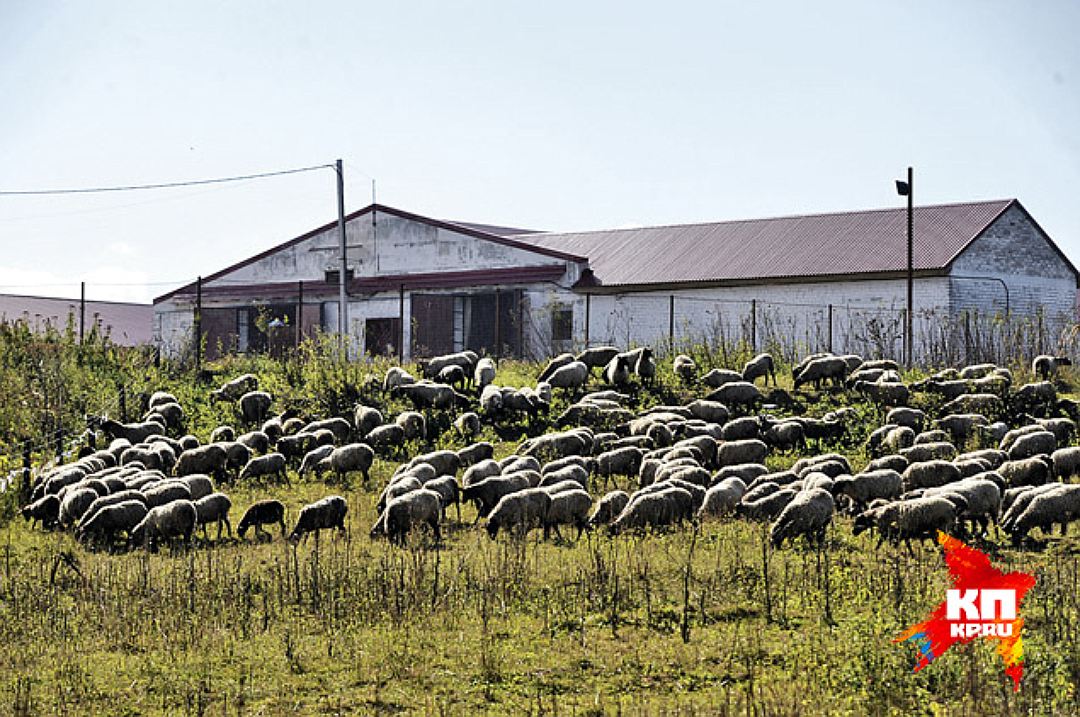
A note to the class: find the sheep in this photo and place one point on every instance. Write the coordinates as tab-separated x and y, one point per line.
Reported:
401	513
722	498
386	438
1036	395
172	413
808	514
684	368
575	473
110	521
400	486
444	462
569	507
366	420
983	498
962	427
254	406
436	396
340	427
719	377
513	463
621	461
44	510
608	509
484	374
264	512
74	504
198	485
737	393
595	357
1063	428
867	486
829	368
222	434
884	393
322	514
785	435
557	445
711	411
645	366
313	459
1066	462
453	376
1034	471
994	457
467	360
1045	367
256	441
486	494
939	450
732	453
740	429
210	458
234	389
354	457
396	376
519	512
270	465
1016	500
1033	444
449	492
766	507
479	471
617	371
934	435
920	518
929	474
652	510
986	404
913	418
1054	506
214	508
176	519
166	492
746	472
760	365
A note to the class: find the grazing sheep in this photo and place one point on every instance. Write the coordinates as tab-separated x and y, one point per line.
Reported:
449	492
453	376
609	508
256	441
479	471
719	377
444	462
396	376
1066	462
1034	471
270	465
1016	500
210	458
222	434
573	473
619	462
760	365
467	425
929	474
828	368
387	438
986	404
176	519
596	357
568	507
617	371
737	393
711	411
808	514
254	406
405	511
920	518
741	429
519	512
367	419
684	368
44	510
166	492
935	450
112	520
862	488
354	457
1057	506
471	455
264	512
731	453
653	510
1063	428
214	508
484	375
312	462
399	486
983	499
884	393
74	504
722	498
340	427
746	472
1033	444
1036	395
322	514
765	507
132	432
467	360
437	396
963	426
234	389
1045	367
913	418
486	494
785	435
198	485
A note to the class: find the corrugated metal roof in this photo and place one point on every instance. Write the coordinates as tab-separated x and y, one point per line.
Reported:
128	324
863	242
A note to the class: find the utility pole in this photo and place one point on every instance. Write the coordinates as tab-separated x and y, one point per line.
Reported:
82	310
198	324
907	189
343	307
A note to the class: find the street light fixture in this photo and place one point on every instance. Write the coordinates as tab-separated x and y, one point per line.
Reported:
906	189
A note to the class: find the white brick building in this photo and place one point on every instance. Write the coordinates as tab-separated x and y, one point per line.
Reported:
803	283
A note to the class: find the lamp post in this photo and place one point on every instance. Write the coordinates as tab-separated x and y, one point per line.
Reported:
906	189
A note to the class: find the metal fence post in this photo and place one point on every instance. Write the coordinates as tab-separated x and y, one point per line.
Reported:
671	325
830	329
753	325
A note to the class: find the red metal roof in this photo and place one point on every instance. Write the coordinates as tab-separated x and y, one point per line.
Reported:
863	242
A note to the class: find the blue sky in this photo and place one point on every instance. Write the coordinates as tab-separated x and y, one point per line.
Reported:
556	115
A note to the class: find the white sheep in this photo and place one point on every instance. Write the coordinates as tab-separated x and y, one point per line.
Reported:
323	514
808	514
722	498
214	508
568	507
519	512
684	368
609	508
352	458
760	365
402	513
176	519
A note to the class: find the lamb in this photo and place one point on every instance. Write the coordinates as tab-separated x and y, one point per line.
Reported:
569	507
44	510
737	393
719	377
732	453
609	508
617	371
722	498
254	406
234	389
210	458
1059	506
367	419
176	519
264	512
684	368
868	486
596	357
453	376
112	520
1045	367
214	508
323	514
519	512
354	457
1033	444
829	368
400	514
270	465
760	365
395	377
808	514
467	425
484	375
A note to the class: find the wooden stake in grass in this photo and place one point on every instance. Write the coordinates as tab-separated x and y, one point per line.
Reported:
687	573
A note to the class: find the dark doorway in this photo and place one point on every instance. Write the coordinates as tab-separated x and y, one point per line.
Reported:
382	337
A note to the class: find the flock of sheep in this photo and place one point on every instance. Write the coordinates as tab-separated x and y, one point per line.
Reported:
980	453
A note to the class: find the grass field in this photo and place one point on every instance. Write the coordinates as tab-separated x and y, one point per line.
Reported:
706	620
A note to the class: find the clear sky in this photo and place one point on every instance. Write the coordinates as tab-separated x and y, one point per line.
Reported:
553	115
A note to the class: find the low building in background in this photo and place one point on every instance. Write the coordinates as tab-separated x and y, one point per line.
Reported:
127	324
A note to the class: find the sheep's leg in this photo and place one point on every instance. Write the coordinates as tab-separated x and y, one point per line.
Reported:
228	526
282	527
457	506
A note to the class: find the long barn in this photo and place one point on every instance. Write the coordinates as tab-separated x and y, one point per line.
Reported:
421	286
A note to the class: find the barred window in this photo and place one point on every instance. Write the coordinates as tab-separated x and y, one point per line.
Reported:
562	324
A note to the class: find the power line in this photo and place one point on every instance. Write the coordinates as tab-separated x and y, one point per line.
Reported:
159	185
